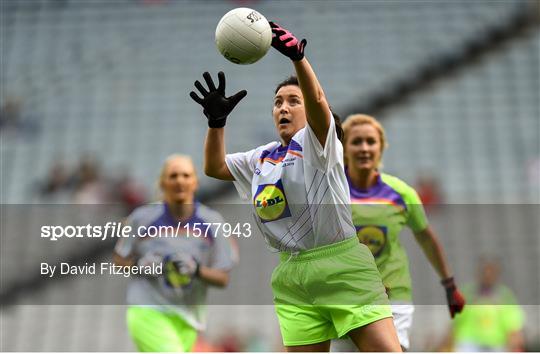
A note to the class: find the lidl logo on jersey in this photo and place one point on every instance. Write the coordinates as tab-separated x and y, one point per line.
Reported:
270	202
372	236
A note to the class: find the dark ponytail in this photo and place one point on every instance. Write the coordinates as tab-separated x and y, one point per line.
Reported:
339	129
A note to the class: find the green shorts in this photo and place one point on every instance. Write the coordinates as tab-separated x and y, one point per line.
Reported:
324	293
156	331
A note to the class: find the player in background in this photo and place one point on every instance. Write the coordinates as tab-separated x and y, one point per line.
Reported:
381	206
327	281
166	310
492	320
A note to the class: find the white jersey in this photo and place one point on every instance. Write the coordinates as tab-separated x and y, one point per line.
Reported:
299	192
213	251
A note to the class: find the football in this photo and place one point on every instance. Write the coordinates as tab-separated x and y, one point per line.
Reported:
243	36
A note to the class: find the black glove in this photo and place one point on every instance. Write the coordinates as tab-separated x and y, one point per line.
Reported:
286	43
216	106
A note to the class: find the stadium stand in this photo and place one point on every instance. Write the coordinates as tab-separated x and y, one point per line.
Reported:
113	79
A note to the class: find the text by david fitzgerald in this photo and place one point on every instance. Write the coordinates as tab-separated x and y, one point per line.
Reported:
103	268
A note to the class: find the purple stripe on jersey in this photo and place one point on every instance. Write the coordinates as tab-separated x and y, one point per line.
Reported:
379	190
276	154
280	151
166	219
294	146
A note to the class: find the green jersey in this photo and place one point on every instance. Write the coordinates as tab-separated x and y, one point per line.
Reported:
379	214
488	318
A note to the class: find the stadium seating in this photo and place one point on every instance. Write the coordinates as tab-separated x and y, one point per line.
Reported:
113	79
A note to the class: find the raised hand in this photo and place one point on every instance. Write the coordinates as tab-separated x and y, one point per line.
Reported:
286	43
216	107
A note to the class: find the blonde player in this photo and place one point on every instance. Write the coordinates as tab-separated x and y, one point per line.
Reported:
166	310
300	200
382	205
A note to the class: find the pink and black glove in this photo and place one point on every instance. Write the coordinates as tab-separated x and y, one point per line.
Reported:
455	298
286	43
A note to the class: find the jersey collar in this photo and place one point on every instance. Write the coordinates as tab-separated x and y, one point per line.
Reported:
169	218
364	193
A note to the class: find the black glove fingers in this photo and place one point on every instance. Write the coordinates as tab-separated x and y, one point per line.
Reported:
216	107
237	98
201	89
196	98
302	45
209	81
221	83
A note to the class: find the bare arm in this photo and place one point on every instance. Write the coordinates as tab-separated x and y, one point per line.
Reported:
216	108
122	261
432	247
216	277
433	250
317	109
214	155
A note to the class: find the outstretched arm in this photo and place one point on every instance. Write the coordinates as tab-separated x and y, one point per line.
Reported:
317	109
216	108
213	276
430	244
432	247
214	155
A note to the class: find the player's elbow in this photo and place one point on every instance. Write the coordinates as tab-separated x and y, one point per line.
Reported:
208	170
122	261
223	281
211	170
218	171
214	174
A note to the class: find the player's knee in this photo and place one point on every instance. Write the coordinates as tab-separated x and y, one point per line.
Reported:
379	336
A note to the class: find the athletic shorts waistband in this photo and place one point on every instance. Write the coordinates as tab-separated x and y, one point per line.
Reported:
319	252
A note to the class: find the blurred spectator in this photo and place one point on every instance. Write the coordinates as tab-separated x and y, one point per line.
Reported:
428	189
86	184
230	343
492	320
128	192
10	113
202	345
14	120
90	186
57	179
